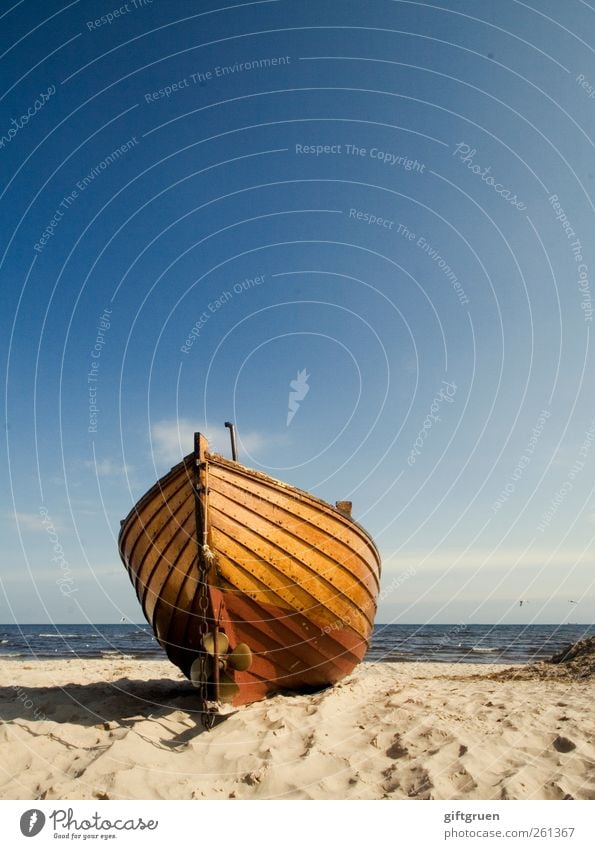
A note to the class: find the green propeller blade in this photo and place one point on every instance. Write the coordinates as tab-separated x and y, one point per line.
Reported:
240	658
208	643
228	689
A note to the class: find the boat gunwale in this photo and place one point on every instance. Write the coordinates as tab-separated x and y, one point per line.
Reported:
234	466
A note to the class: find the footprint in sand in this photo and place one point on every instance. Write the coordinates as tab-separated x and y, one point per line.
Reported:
463	781
563	745
417	783
396	749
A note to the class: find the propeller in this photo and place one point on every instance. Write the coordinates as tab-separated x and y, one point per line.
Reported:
238	660
228	689
208	643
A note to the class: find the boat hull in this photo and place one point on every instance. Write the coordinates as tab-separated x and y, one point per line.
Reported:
291	576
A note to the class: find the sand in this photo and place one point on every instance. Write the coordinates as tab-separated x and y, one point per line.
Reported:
123	729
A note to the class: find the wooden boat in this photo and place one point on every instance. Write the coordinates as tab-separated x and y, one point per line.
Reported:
251	585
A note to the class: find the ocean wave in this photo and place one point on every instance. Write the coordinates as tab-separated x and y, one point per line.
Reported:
480	650
59	636
118	654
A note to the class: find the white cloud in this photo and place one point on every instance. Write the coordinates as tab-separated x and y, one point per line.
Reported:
107	468
172	439
32	521
27	521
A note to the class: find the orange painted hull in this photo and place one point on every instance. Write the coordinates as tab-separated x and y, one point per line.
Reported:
292	577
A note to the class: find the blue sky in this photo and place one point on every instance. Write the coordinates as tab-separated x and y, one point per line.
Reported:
200	201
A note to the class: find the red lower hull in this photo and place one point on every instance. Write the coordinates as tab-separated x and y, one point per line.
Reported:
290	652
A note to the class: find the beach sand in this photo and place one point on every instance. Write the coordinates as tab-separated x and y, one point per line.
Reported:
123	729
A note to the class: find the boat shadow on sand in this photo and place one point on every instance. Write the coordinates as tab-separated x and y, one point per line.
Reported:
108	705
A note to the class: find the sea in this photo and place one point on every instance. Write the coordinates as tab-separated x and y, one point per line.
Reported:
455	643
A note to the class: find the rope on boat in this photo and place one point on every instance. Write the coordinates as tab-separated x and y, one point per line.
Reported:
204	558
208	554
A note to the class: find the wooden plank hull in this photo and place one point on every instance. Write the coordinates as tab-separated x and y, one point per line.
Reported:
292	577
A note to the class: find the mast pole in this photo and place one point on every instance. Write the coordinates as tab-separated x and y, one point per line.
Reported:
232	433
